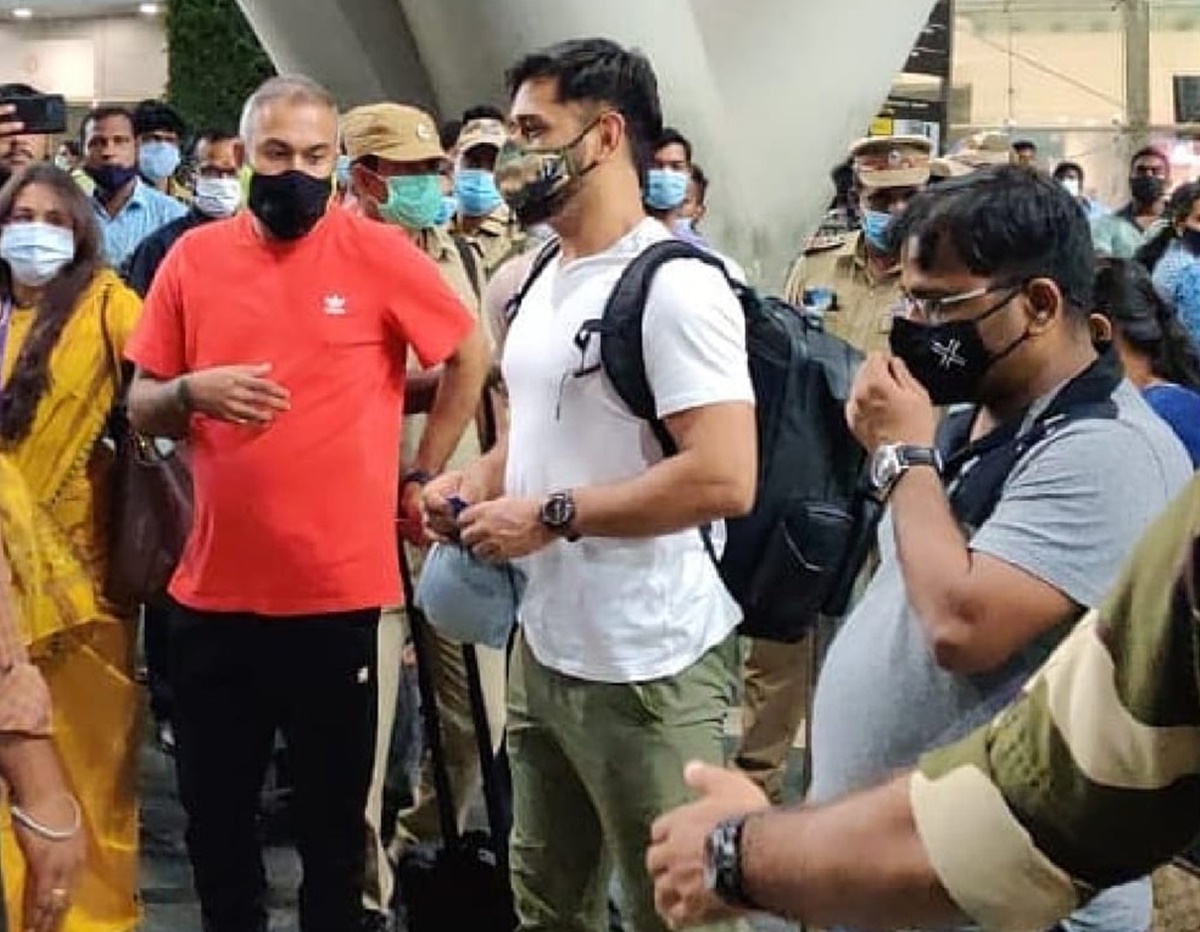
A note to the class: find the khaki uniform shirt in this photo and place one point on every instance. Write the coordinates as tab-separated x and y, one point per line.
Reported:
497	239
1093	777
863	300
439	245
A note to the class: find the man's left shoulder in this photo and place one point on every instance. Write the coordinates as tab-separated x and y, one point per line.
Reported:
163	204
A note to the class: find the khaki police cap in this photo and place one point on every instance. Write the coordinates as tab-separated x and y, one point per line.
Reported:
892	161
948	167
391	131
482	132
984	149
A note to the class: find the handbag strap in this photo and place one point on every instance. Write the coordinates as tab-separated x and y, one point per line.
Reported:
421	631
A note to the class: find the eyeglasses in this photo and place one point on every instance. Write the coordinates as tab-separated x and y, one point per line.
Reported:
934	310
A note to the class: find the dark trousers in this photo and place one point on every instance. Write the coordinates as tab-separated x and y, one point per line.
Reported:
237	679
156	632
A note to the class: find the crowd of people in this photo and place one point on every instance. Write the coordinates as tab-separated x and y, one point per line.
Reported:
373	331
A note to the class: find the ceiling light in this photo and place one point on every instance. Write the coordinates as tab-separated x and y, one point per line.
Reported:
22	12
148	9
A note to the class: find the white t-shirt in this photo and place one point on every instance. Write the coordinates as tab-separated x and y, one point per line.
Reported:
618	609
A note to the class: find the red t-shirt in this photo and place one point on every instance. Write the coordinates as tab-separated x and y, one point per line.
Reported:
298	518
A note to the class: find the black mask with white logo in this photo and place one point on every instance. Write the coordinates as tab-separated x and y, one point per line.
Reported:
950	359
289	204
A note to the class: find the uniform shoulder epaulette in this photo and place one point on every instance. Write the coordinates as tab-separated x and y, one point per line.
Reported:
823	242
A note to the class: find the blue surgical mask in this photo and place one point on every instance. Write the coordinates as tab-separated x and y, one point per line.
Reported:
666	188
414	201
448	209
477	193
158	160
343	171
35	251
685	229
875	225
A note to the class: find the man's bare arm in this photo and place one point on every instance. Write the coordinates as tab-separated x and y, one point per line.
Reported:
858	861
157	407
459	391
713	476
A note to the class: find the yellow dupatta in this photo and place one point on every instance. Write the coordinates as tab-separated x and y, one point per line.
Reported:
52	482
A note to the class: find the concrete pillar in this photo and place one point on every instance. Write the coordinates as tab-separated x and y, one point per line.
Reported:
772	92
1137	72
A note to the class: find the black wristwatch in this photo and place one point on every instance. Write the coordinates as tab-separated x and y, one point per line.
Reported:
893	460
558	515
419	476
723	863
183	395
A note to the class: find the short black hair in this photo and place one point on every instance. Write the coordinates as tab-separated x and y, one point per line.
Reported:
1125	295
448	133
17	89
601	71
72	146
1062	169
1149	152
482	112
700	180
153	115
670	136
1179	208
103	113
1005	222
212	135
1024	145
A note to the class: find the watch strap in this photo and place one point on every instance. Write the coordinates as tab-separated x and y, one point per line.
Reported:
419	476
910	456
725	854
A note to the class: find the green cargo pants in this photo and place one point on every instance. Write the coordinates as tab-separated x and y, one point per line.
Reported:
593	765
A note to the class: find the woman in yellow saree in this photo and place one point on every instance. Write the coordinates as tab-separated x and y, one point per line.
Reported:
63	322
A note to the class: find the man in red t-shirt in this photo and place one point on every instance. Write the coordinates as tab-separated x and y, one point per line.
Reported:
276	341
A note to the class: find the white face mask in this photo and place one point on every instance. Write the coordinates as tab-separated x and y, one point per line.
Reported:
61	161
218	197
1071	185
36	252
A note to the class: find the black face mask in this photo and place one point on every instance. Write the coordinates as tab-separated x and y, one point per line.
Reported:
950	359
290	204
1191	240
111	178
1146	189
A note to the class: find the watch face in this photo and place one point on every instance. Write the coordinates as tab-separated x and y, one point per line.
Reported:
558	511
885	464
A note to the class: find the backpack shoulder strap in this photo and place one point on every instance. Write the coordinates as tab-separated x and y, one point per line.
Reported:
541	260
470	262
621	349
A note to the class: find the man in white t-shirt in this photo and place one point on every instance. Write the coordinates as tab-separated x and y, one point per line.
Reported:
623	669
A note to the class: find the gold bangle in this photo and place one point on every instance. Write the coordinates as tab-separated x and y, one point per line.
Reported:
22	817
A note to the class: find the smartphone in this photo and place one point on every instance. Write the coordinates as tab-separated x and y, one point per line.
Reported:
42	114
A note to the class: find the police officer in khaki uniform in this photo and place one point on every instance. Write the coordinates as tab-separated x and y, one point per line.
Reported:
396	158
483	218
852	278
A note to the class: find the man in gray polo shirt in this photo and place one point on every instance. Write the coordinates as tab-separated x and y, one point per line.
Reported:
997	271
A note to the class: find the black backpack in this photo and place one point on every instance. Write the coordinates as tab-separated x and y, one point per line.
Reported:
783	562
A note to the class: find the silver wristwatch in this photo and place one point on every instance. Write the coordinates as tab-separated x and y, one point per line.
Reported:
892	460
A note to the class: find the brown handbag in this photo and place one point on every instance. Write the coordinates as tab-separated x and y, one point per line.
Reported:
150	503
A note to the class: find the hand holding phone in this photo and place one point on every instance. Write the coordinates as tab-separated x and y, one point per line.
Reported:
33	115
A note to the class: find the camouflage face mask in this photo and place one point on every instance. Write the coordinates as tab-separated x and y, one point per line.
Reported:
537	183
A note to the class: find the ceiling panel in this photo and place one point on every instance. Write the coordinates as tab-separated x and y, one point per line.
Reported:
57	9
